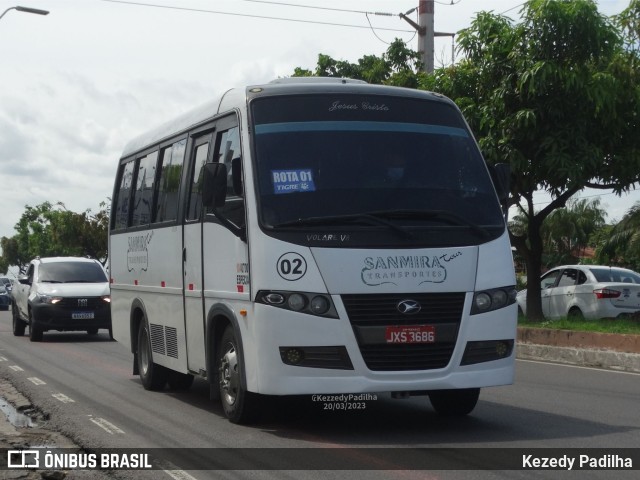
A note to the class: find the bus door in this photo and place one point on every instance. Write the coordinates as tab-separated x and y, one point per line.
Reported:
192	254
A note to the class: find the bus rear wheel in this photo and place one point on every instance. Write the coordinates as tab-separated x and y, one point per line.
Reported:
239	405
454	402
152	375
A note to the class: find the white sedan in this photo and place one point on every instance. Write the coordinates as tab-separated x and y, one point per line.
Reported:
587	291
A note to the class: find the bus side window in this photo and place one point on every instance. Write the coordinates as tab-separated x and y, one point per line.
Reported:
168	185
123	195
195	188
143	194
228	150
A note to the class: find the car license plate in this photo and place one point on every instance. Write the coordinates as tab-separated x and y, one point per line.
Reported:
411	334
82	315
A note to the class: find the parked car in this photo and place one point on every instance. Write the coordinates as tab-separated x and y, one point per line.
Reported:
587	291
5	298
6	281
64	294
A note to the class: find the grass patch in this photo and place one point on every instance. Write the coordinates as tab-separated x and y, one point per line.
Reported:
626	325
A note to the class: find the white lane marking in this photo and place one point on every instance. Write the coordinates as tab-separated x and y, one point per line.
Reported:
179	475
36	381
3	359
63	398
16	368
107	426
607	370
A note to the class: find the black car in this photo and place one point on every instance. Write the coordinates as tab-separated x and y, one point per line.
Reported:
5	298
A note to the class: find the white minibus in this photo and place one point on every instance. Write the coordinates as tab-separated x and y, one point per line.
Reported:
314	236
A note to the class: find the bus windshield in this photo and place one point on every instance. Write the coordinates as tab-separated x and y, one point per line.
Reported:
370	161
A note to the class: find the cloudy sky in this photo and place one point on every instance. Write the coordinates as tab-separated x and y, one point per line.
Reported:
77	84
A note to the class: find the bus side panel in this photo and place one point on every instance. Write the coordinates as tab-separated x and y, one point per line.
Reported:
227	278
147	275
495	264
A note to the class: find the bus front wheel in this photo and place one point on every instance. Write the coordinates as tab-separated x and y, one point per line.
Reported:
454	402
239	405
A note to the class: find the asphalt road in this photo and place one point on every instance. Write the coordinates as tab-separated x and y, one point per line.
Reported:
85	384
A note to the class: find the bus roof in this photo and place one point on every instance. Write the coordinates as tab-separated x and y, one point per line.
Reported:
235	97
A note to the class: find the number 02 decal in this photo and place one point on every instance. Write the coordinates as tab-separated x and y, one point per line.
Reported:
292	266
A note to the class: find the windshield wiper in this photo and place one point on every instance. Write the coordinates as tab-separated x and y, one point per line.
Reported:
50	281
442	215
367	218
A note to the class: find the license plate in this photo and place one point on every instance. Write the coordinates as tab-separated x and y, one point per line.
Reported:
82	315
411	334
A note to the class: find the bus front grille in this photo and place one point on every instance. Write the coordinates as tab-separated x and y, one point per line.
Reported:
370	315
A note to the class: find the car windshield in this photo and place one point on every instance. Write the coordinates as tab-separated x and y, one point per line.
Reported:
2	289
616	275
354	160
71	272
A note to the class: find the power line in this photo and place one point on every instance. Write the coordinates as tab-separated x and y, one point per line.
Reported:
512	8
314	7
263	17
588	196
382	40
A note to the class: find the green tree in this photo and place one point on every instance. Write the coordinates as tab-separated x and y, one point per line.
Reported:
622	246
566	231
629	22
51	230
399	66
557	97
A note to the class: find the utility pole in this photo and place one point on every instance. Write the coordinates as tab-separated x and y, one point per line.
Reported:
425	40
426	32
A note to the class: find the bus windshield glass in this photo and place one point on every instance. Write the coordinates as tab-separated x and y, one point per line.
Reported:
337	160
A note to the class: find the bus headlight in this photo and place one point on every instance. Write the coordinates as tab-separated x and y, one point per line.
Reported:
296	302
317	304
489	300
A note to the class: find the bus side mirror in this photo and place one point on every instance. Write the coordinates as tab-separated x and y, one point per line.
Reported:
214	185
236	176
501	175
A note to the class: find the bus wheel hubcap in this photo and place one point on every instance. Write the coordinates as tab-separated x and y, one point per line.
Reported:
144	355
229	378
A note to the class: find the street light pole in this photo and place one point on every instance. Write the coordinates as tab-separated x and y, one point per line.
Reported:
37	11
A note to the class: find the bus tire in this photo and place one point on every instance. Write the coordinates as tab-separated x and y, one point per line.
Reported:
180	382
457	402
152	375
239	405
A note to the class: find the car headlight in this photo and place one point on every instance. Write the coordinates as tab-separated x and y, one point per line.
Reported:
106	298
50	299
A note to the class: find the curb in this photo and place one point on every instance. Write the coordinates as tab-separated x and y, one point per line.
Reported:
596	350
610	360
